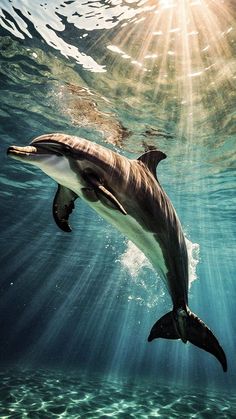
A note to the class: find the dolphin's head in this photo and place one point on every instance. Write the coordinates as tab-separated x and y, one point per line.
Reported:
42	148
83	167
54	155
64	158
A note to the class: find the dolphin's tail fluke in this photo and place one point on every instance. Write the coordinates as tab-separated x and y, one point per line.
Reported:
185	325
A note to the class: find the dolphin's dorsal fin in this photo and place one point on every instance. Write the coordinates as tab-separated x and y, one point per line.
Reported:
151	159
63	206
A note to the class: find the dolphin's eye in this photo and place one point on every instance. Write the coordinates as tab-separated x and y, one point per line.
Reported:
66	150
89	176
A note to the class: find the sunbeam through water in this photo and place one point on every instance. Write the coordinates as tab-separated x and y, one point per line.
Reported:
76	309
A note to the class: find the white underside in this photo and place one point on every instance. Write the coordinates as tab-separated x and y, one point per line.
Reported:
59	169
130	228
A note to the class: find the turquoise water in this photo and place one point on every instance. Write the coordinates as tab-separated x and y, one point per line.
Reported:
76	309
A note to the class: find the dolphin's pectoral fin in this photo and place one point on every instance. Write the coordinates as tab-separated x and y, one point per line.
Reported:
109	199
164	328
103	194
151	159
63	206
192	329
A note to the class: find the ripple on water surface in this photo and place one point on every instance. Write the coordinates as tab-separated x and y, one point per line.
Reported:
44	394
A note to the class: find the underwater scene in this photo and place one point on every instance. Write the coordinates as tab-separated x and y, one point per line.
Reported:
103	288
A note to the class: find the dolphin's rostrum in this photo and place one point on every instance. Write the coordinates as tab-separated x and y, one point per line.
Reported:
128	195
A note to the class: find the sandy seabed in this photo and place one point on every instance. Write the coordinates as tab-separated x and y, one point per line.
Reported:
47	394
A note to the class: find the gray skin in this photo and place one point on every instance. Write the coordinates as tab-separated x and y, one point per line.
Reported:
128	195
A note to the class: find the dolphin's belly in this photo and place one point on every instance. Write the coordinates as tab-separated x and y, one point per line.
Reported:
173	269
146	241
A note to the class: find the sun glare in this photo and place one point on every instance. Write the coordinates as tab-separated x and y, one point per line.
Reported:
166	3
180	43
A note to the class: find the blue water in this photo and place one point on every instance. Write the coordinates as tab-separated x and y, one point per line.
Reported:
76	309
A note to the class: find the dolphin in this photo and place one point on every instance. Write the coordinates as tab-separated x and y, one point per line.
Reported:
128	195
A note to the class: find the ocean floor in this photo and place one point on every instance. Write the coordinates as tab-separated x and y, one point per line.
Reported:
47	394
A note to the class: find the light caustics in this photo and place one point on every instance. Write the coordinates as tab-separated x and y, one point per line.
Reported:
179	45
51	20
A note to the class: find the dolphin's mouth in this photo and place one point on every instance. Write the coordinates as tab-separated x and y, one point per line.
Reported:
22	151
29	152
